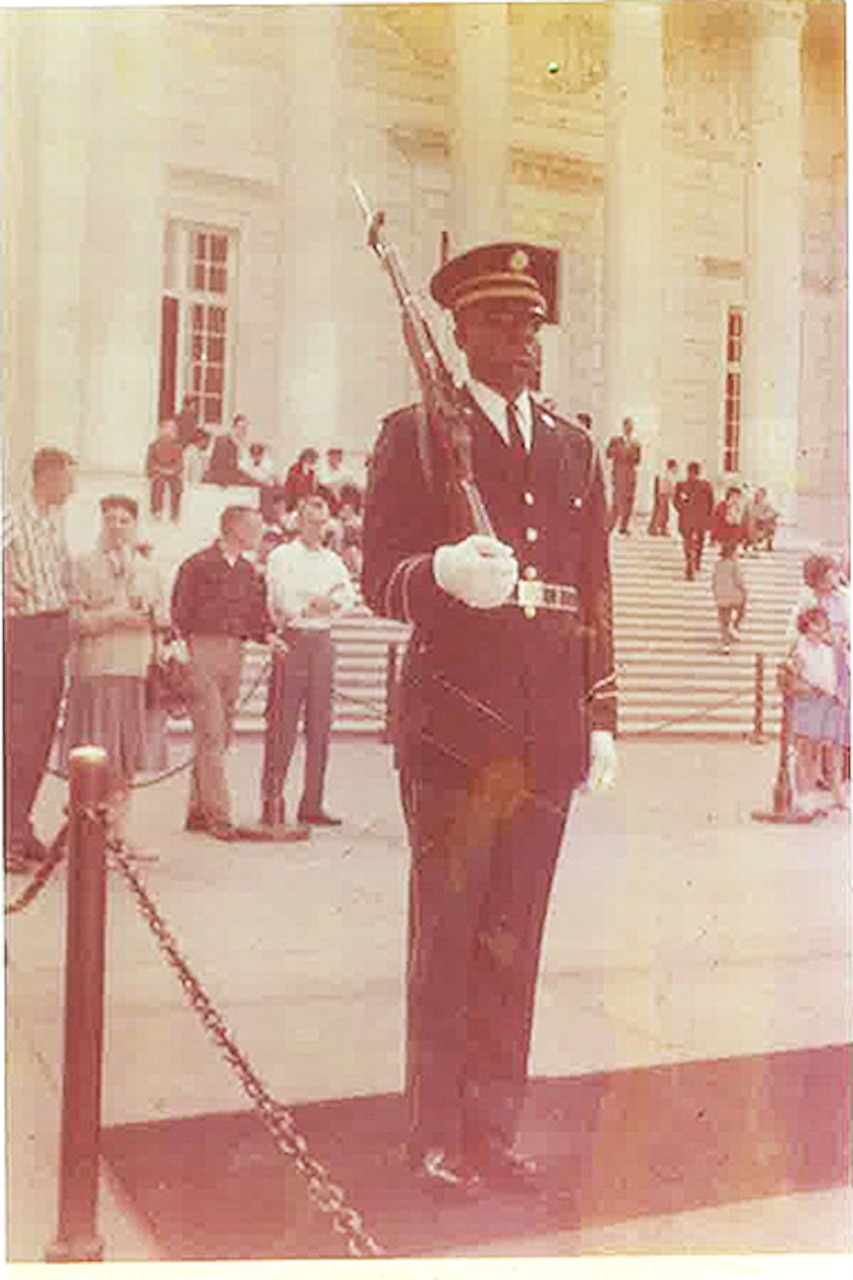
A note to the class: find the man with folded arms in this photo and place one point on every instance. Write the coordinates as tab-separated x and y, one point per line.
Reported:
308	586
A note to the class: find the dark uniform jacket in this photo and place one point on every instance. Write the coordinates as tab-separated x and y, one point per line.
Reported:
482	685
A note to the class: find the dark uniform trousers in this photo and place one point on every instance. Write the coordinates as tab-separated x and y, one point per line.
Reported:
483	858
492	739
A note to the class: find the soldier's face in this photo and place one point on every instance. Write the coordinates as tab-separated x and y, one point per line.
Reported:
501	344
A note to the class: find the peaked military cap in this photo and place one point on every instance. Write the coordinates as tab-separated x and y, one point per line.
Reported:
498	271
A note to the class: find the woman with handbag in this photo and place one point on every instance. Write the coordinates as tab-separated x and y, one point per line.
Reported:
119	607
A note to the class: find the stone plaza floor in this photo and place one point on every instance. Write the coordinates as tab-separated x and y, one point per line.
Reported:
680	930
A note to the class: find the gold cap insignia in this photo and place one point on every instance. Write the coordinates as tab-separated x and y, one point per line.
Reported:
518	260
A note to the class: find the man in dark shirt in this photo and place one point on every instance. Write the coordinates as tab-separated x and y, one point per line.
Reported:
218	602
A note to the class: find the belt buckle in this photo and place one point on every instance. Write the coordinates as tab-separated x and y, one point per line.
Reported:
530	596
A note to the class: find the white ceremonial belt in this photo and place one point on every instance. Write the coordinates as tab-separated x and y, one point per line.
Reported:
531	595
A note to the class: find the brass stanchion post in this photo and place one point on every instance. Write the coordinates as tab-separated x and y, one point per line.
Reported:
784	808
76	1237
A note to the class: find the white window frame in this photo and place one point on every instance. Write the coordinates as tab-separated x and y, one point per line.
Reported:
178	263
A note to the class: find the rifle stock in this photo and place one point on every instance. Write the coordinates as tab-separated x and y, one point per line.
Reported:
442	398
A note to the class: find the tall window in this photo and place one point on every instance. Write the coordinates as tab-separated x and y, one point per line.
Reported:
732	410
197	319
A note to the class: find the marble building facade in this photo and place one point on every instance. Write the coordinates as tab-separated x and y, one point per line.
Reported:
180	218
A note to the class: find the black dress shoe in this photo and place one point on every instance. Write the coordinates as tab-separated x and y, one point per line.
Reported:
196	821
318	819
274	824
504	1171
436	1170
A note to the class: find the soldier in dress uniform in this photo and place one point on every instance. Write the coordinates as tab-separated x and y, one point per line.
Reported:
508	702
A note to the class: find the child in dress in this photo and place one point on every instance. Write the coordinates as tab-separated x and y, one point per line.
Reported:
729	590
816	703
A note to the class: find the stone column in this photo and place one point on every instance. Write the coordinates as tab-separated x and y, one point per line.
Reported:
632	226
47	61
481	120
771	357
122	257
318	222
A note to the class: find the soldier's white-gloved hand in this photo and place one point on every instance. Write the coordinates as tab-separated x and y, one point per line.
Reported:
479	571
603	762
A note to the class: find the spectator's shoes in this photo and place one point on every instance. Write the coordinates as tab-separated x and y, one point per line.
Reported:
274	824
318	818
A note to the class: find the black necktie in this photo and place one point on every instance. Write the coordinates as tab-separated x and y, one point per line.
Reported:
516	439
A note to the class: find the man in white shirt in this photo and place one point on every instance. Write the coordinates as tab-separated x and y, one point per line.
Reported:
308	586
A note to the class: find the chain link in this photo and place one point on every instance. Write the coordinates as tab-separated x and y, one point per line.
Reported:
693	715
279	1122
55	854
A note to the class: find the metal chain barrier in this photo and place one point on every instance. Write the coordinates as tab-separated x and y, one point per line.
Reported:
327	1195
55	854
694	715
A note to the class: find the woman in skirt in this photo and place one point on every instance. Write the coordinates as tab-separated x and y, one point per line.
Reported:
119	605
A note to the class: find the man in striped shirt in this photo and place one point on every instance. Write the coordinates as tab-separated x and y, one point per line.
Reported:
37	581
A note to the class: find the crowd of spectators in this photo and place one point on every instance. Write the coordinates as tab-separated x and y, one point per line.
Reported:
185	454
93	627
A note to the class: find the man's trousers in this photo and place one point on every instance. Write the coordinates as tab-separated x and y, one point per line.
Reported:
215	684
301	681
34	670
483	859
694	542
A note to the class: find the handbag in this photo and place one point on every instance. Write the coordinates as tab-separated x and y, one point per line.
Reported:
167	680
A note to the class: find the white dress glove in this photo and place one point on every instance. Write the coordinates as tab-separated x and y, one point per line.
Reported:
479	571
603	763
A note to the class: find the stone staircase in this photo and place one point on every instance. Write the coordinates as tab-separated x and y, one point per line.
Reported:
673	677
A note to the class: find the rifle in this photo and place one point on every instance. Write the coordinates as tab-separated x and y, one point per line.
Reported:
443	399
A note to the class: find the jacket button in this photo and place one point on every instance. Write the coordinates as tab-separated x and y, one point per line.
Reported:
530	573
528	498
531	534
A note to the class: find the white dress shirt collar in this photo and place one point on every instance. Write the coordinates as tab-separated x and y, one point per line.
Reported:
493	405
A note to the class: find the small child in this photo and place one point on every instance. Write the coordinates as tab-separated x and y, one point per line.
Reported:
729	590
815	705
